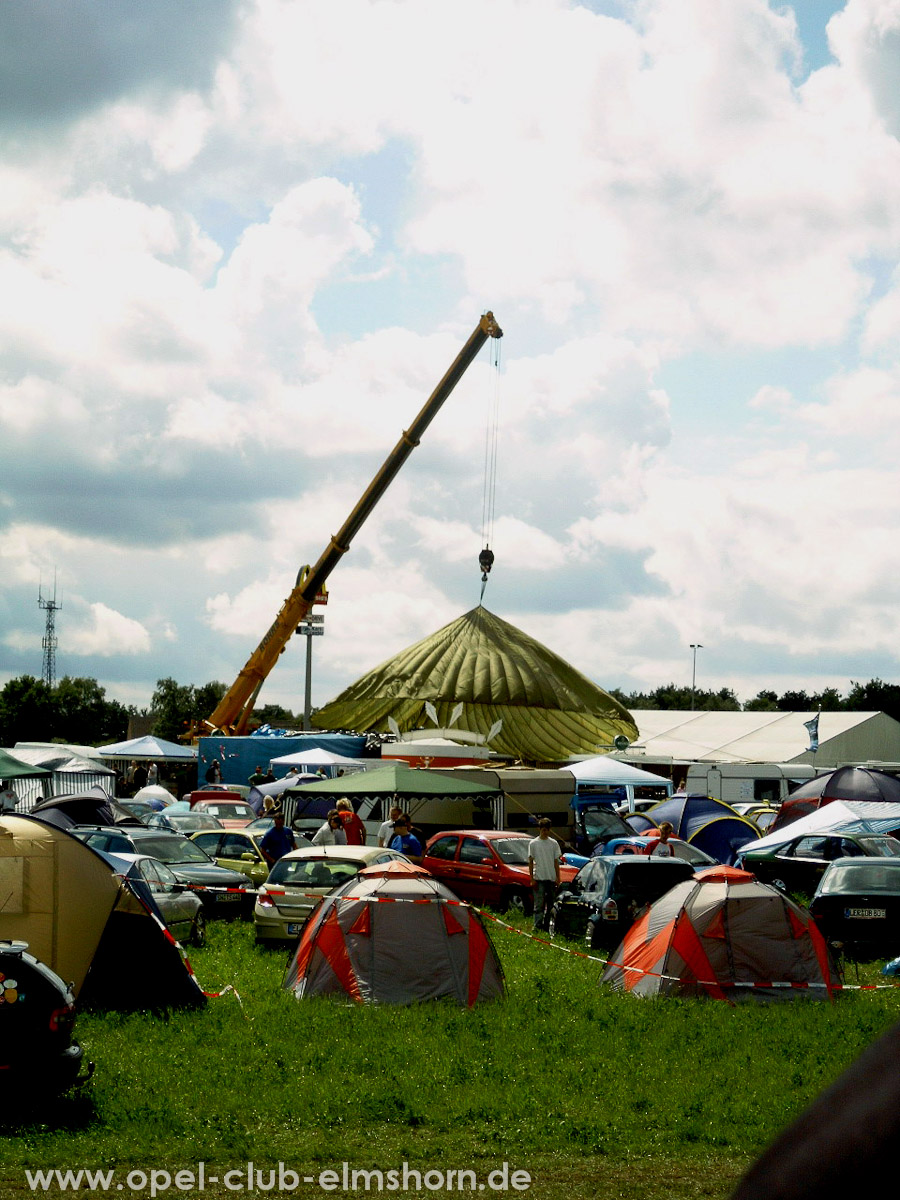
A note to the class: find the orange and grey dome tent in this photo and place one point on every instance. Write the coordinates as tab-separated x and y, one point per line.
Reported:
724	936
549	710
395	935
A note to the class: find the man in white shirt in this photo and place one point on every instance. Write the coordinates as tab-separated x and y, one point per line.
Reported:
386	828
332	832
543	867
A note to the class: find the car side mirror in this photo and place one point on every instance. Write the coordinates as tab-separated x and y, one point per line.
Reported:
249	856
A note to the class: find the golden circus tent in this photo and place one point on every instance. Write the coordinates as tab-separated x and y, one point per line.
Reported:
549	711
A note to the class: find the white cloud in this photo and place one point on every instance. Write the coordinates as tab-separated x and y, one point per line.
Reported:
105	633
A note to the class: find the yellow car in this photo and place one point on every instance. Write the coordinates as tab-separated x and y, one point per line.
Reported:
298	882
238	850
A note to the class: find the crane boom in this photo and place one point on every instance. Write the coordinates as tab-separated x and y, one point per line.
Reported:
234	709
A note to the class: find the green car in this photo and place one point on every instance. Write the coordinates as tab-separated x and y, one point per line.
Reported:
798	863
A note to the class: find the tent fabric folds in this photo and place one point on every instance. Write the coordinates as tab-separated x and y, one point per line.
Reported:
709	824
395	936
549	710
721	929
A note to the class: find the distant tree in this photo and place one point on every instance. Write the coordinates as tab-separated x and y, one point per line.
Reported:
27	711
830	700
795	702
173	706
673	696
274	714
874	696
762	702
84	715
206	699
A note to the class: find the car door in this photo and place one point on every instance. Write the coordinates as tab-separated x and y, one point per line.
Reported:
171	899
440	860
238	853
478	875
209	842
802	864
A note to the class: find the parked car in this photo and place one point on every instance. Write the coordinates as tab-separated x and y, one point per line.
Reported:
798	864
298	881
609	893
183	822
239	850
224	893
857	904
37	1051
233	814
488	866
180	907
762	815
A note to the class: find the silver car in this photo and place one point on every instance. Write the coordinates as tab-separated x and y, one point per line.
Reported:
298	882
180	908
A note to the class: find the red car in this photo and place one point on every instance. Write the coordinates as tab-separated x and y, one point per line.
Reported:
486	866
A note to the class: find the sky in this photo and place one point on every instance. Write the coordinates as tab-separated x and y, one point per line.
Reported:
242	240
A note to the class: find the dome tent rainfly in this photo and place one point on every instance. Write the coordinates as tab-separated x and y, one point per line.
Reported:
549	710
395	935
721	929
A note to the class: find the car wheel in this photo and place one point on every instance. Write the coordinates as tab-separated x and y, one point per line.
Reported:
519	902
198	929
551	924
591	941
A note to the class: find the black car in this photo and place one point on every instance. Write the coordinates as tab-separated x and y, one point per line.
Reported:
37	1013
223	892
798	864
857	904
609	893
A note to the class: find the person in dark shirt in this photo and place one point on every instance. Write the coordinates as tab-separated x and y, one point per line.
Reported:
278	841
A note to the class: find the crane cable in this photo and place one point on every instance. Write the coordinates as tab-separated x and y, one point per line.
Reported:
491	443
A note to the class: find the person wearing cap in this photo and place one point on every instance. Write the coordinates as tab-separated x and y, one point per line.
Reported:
278	840
405	840
353	826
331	833
543	867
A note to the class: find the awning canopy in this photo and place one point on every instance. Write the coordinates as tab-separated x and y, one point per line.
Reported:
148	749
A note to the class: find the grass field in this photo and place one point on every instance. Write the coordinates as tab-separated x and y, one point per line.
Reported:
593	1094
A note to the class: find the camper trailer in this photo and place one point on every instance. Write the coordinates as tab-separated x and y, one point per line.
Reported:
764	783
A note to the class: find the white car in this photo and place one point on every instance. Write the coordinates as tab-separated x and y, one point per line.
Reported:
298	882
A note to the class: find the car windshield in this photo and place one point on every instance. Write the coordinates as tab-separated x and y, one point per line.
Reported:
880	847
692	855
314	872
512	850
173	850
861	875
193	821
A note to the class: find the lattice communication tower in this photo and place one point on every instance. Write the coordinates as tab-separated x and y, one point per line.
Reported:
49	642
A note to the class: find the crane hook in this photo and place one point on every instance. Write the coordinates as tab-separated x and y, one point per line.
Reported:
485	561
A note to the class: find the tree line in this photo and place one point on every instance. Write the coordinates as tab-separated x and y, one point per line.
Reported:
874	696
76	710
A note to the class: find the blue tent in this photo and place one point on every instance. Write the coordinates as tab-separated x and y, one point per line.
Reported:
711	825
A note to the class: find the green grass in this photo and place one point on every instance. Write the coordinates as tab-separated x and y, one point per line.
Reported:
595	1094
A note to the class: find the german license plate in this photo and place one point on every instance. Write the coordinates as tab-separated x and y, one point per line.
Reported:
865	914
229	897
294	927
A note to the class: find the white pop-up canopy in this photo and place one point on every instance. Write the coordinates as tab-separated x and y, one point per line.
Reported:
603	769
317	757
148	749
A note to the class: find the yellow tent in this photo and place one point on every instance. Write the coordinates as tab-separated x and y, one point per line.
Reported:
549	710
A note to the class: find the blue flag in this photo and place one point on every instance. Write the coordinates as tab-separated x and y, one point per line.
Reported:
812	728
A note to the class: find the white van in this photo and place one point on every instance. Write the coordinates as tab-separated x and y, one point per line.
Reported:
763	783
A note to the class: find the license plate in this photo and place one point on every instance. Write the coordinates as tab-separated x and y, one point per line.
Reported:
294	927
865	914
228	898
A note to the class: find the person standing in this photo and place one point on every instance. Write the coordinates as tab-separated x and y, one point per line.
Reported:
140	776
258	777
543	867
386	828
213	772
661	847
332	832
405	840
278	841
152	773
353	826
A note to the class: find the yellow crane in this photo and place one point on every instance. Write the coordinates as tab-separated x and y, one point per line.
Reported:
234	709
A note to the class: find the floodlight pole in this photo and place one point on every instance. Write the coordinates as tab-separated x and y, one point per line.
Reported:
695	646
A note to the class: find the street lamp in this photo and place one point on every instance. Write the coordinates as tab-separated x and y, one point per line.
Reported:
695	646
